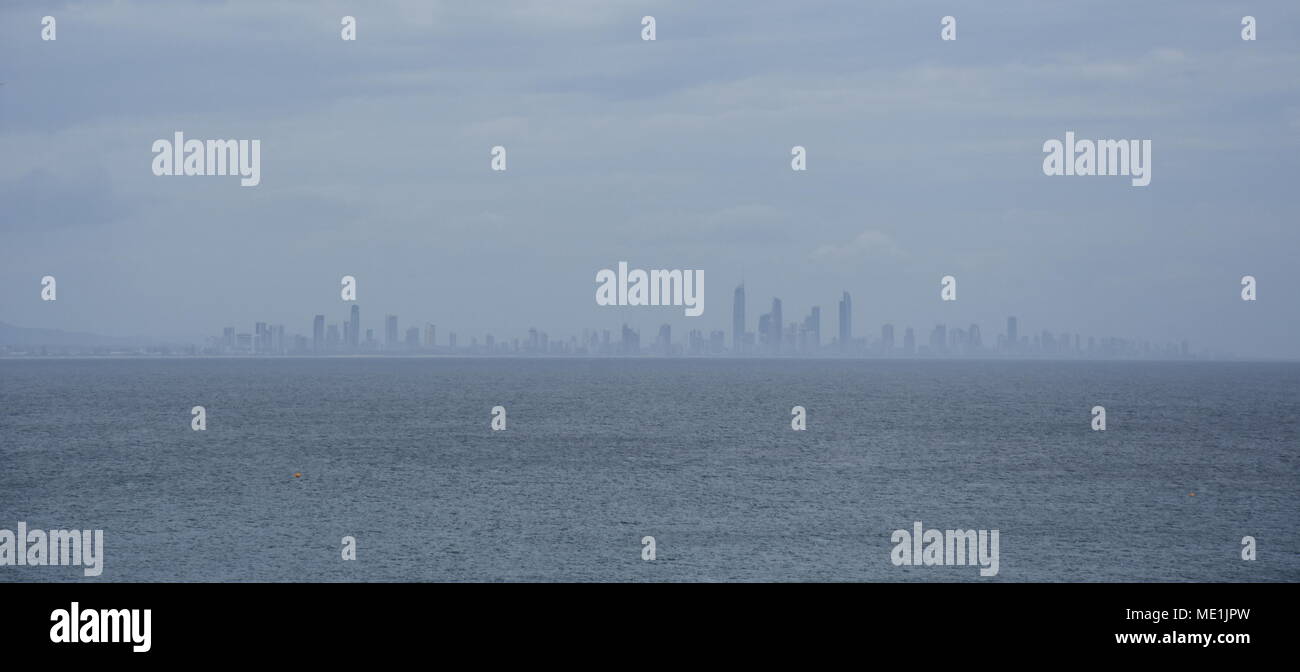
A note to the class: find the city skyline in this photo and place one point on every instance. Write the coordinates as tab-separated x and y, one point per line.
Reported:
771	335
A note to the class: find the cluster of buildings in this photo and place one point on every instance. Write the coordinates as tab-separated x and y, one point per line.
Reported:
772	336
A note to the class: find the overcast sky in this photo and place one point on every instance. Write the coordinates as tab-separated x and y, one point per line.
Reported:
924	160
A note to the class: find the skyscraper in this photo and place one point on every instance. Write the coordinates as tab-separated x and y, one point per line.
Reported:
887	339
738	320
354	327
846	322
776	326
390	332
939	339
318	333
812	326
1013	337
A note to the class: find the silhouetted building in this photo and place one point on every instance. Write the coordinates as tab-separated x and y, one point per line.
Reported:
738	320
318	333
846	322
390	332
776	326
354	327
812	331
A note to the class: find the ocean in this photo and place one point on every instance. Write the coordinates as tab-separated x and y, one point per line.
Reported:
398	453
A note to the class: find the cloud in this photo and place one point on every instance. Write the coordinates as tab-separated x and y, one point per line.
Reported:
868	245
41	200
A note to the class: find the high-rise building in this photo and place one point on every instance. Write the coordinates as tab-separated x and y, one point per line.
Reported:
318	334
354	327
430	335
631	343
413	338
846	322
812	327
717	342
909	342
887	339
738	320
390	332
939	339
776	325
1013	336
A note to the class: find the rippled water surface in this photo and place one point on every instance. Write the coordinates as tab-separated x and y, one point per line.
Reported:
398	453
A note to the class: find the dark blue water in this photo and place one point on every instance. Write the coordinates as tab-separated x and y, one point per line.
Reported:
398	453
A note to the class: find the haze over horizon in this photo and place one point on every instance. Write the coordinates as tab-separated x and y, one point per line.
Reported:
924	160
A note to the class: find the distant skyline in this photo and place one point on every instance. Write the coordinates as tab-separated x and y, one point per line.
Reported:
924	160
771	335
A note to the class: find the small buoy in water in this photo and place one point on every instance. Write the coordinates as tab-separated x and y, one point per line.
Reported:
1191	494
297	474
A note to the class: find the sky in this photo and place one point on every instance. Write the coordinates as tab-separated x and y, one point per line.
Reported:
924	160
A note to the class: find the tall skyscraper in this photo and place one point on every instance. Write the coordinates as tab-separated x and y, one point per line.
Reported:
846	322
776	326
887	339
318	334
909	342
390	332
812	327
738	320
939	339
354	327
1013	336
